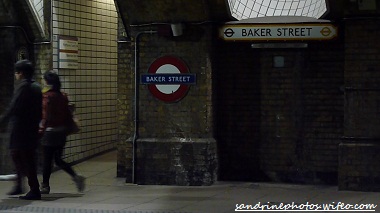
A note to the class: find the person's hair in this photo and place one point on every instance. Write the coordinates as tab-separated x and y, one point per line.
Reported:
52	79
25	67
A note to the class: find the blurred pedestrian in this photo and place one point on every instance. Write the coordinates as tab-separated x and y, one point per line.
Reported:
55	117
23	115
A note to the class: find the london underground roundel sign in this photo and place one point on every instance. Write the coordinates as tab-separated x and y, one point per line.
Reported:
168	79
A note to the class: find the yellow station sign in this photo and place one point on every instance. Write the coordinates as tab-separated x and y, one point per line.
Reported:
278	32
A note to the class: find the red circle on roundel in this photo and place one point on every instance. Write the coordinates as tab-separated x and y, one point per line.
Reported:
181	91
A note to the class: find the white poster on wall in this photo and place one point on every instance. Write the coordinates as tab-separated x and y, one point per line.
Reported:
68	52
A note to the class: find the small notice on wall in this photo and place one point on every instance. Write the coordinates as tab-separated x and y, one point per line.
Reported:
68	52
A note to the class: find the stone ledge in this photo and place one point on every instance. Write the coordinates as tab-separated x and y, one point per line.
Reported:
359	168
176	140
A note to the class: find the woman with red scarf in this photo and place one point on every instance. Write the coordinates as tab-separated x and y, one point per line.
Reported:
55	117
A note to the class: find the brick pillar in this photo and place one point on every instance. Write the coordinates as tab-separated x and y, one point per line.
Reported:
359	151
176	144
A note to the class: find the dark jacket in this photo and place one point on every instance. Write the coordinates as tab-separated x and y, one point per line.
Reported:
24	114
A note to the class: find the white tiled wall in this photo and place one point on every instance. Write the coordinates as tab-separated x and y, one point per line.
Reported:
93	86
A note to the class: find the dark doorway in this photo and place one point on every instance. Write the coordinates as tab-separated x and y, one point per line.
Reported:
237	86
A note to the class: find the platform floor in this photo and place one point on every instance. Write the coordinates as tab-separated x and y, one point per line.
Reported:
107	194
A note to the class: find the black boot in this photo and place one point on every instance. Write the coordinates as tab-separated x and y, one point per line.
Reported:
32	195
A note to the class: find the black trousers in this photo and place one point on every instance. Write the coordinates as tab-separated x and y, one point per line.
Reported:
51	153
26	165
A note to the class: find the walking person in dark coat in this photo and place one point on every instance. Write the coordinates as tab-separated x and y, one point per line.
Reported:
23	115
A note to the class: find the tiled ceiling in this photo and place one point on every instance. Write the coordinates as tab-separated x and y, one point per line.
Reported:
243	9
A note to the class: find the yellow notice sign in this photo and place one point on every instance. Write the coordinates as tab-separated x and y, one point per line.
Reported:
278	32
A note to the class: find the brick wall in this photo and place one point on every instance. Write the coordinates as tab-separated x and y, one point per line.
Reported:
358	160
125	83
189	117
324	107
362	79
302	114
286	122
